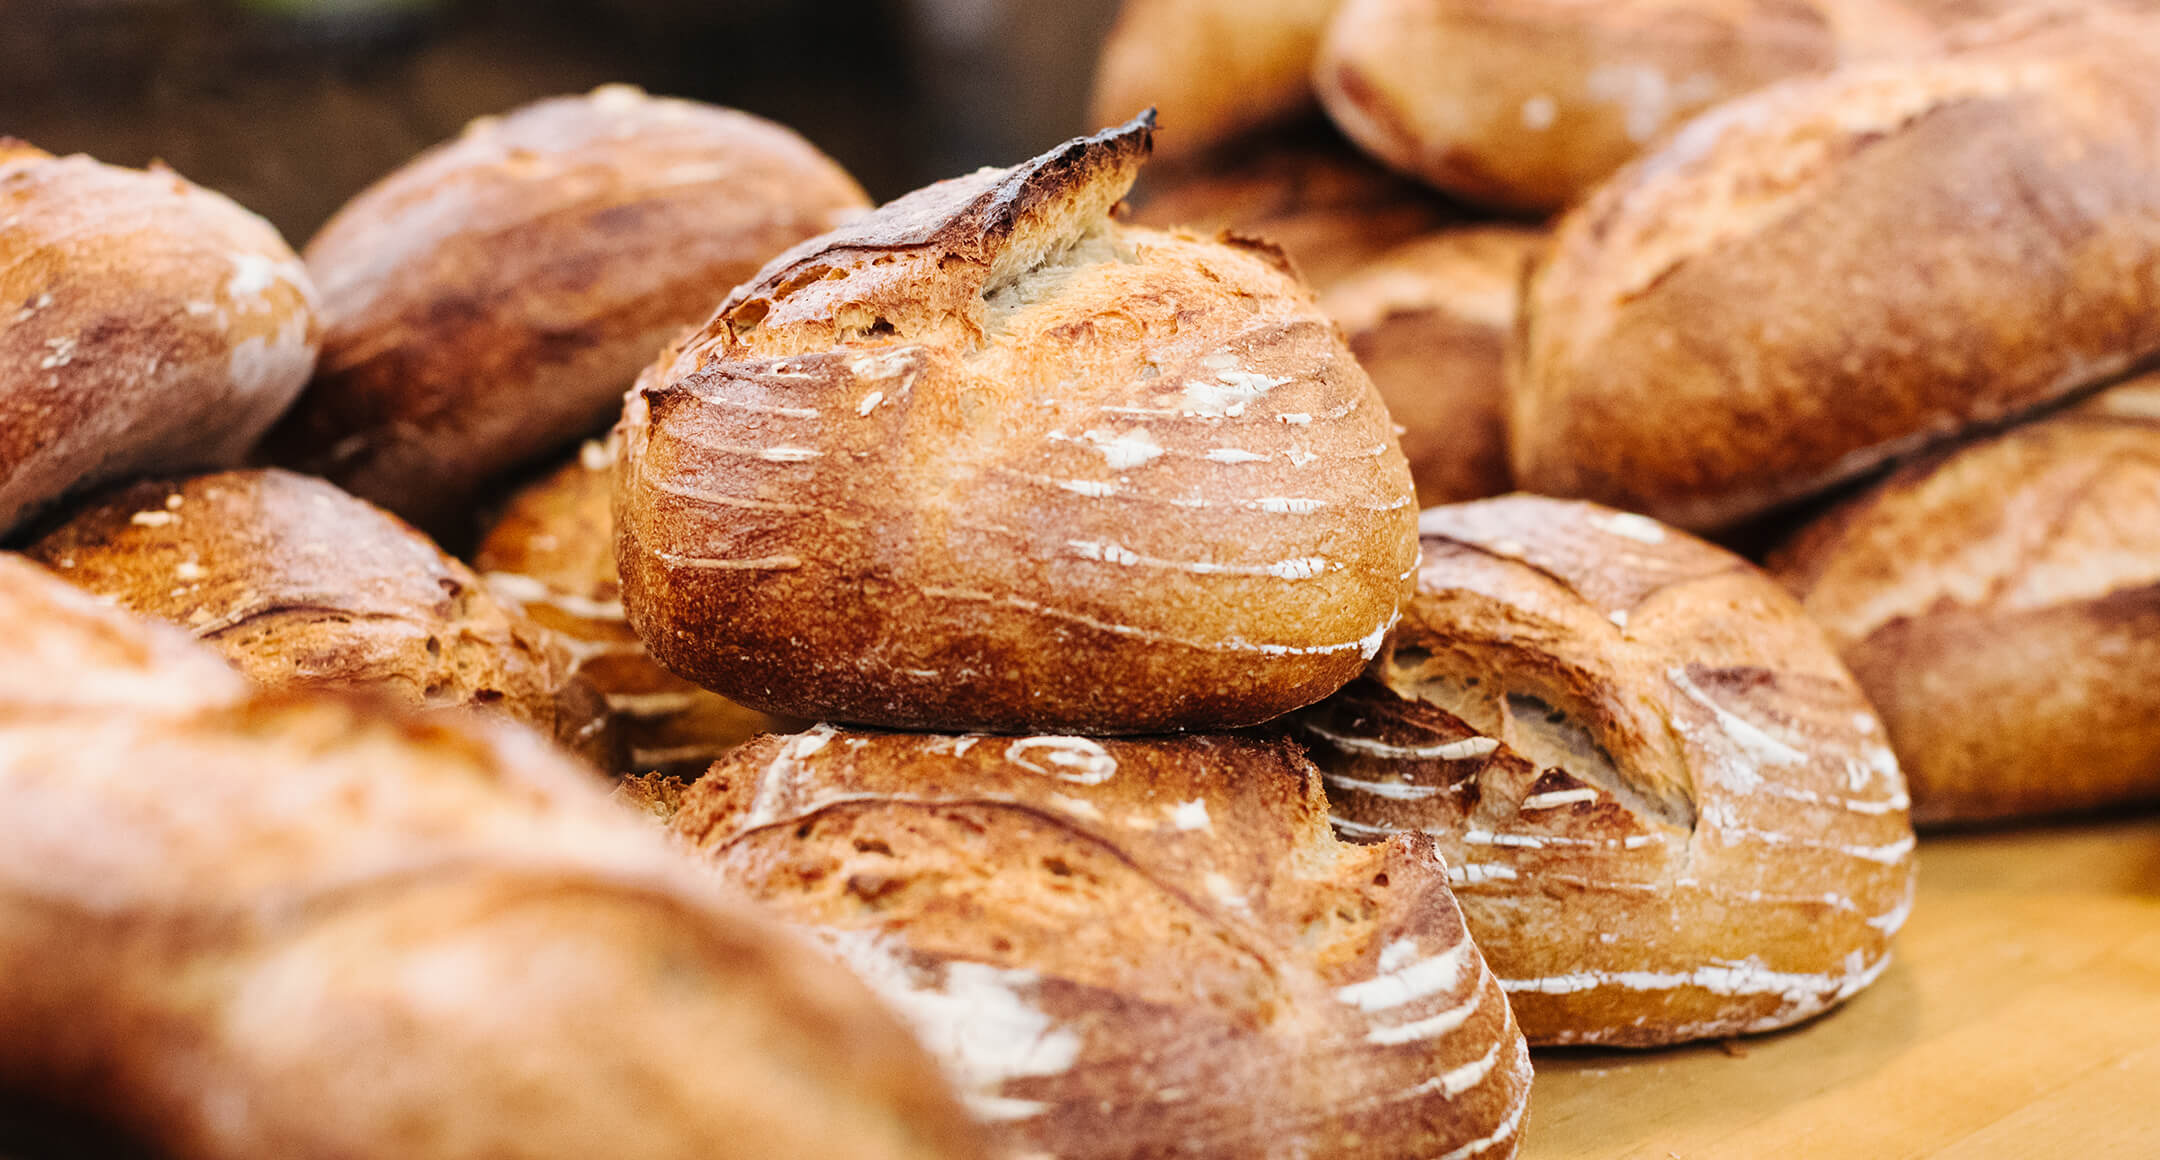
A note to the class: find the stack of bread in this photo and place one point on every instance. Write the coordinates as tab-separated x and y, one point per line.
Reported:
1042	720
1796	245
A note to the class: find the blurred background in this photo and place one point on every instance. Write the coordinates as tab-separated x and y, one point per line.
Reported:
291	106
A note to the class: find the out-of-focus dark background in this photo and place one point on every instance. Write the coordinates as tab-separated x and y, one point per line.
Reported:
291	106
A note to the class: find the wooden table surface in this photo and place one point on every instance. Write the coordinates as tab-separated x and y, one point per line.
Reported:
2020	1019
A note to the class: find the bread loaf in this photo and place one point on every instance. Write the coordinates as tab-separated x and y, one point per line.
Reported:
984	459
146	324
1214	69
1666	808
1328	207
1527	104
1429	321
2000	603
303	586
489	303
278	924
552	556
1807	282
1133	948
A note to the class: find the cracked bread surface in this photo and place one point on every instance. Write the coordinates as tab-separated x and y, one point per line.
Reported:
1668	811
987	459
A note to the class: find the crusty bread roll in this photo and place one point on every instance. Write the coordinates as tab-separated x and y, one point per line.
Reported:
1429	321
1809	281
1133	948
1526	104
303	586
146	324
986	460
2001	605
1213	69
1666	808
489	302
273	924
1328	207
552	555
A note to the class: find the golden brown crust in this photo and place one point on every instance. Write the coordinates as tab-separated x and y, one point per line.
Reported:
1212	69
1527	104
1663	801
1117	945
1429	321
552	556
489	302
1985	220
303	586
2001	605
1329	207
146	324
984	460
298	926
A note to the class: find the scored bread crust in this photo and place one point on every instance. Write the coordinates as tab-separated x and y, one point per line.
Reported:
1126	948
1429	321
984	459
1665	806
303	586
1329	207
2000	603
552	556
146	324
298	925
1806	282
488	303
1213	69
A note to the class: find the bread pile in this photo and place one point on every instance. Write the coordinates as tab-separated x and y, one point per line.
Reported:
1798	245
1042	720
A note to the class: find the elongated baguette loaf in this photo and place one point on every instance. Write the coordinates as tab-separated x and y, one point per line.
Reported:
146	324
986	459
1667	809
247	924
1133	948
1807	282
2001	605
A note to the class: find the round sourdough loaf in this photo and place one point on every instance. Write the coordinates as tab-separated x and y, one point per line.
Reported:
2001	605
1214	69
1809	281
146	324
1527	104
303	586
1429	321
1133	948
489	303
552	555
1666	808
1326	205
984	459
298	925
